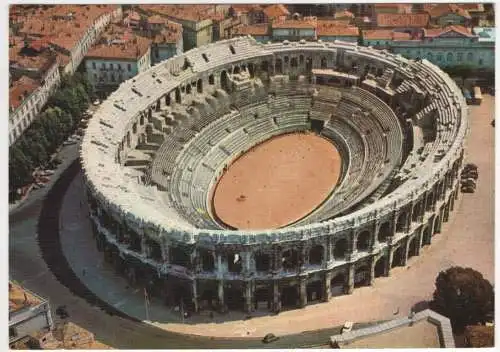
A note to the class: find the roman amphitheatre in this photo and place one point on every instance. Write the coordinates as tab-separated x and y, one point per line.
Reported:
264	177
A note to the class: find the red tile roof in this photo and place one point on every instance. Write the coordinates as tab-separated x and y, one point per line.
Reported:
402	20
435	32
439	10
343	14
277	10
260	29
23	86
156	19
192	12
326	28
245	8
132	49
311	24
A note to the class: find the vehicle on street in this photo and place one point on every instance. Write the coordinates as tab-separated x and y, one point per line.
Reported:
270	338
347	326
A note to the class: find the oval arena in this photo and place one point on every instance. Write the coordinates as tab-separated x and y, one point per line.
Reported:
156	151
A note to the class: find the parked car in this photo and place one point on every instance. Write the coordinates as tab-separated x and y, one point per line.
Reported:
270	338
467	189
347	326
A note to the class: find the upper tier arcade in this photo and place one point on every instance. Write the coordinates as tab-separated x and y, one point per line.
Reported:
157	145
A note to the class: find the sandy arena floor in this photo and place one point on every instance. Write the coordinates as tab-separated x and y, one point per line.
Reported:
278	182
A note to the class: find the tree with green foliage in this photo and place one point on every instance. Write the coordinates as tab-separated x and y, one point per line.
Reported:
20	168
464	296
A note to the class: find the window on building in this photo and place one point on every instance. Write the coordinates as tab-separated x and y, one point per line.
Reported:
459	57
112	78
430	57
95	77
480	62
12	332
119	66
103	66
129	67
93	65
111	66
449	57
439	57
470	56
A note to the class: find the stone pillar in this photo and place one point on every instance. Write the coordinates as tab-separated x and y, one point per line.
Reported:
276	296
165	255
326	286
195	296
389	260
220	292
248	293
303	291
219	264
329	249
372	269
350	280
144	247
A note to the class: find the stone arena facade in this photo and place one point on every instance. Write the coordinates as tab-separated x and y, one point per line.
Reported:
155	149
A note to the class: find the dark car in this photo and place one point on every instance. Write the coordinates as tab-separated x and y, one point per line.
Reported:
467	189
270	338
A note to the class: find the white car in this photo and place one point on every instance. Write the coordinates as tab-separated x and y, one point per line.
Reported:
347	326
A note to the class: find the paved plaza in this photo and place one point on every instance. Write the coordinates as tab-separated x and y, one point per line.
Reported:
466	240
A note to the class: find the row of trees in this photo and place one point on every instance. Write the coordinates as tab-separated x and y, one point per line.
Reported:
43	137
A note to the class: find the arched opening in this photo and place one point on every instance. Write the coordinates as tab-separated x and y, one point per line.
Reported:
380	267
141	120
188	89
264	66
316	255
262	298
401	222
234	263
231	48
155	250
167	99
417	209
309	64
362	276
233	296
211	80
363	241
290	296
199	86
301	59
208	296
180	256
293	62
413	247
384	232
290	260
278	66
262	262
323	62
314	291
224	81
134	128
177	95
251	70
207	260
236	70
398	257
128	139
380	72
340	249
429	201
426	237
337	284
437	221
